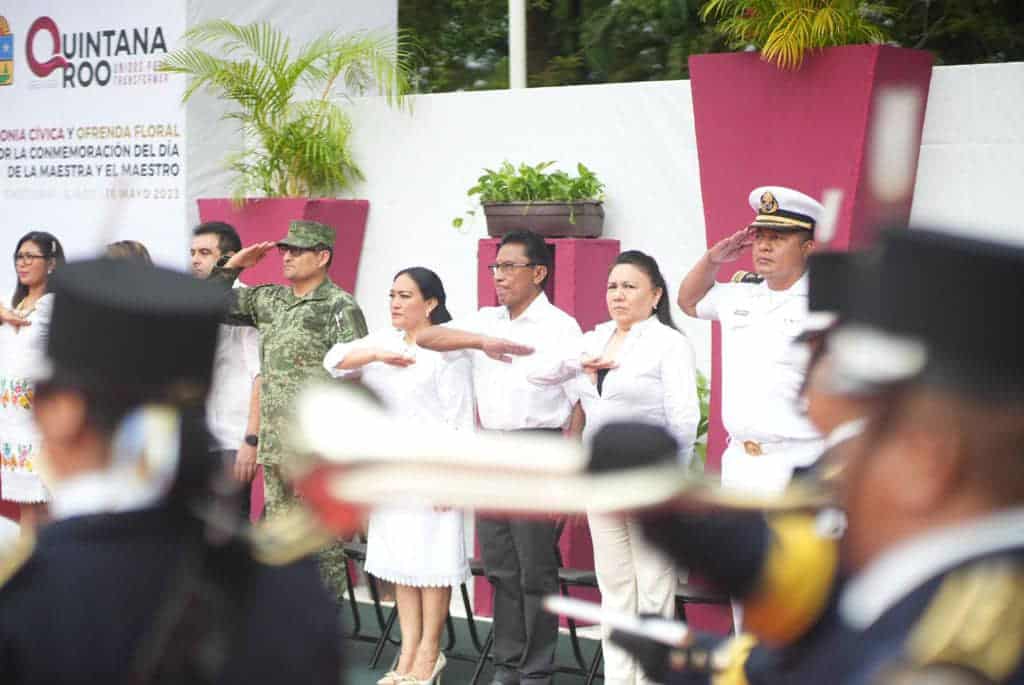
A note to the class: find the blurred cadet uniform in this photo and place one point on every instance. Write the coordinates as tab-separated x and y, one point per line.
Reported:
931	585
295	334
142	575
762	370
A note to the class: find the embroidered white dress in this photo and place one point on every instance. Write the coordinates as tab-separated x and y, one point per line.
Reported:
21	356
412	545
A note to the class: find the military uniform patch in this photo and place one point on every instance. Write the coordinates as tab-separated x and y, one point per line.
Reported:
975	623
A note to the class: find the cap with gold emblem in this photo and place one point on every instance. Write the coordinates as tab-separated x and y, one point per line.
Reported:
784	209
308	234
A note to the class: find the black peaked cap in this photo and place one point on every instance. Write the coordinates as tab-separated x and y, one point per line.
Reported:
829	278
126	324
960	297
623	445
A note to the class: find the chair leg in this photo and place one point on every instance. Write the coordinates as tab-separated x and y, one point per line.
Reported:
471	619
485	653
385	635
357	623
594	665
450	629
574	641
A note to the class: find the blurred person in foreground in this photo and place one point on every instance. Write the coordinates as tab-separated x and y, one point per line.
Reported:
143	575
23	330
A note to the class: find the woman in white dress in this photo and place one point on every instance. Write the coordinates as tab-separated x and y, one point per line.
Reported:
636	367
23	331
421	550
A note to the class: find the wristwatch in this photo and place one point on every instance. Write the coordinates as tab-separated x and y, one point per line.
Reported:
252	439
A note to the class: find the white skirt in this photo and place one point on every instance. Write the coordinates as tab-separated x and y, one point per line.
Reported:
417	547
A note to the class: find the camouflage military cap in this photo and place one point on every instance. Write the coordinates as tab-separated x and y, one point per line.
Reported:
308	234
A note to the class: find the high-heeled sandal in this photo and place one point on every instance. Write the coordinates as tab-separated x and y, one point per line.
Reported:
435	677
393	677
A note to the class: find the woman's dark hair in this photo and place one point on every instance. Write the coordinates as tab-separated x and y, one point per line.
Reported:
49	247
646	263
430	286
536	249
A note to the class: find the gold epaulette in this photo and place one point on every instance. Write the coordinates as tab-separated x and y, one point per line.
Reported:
746	277
796	581
288	538
730	660
975	622
18	555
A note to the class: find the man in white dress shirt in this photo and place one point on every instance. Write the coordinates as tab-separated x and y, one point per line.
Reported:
519	556
233	407
763	370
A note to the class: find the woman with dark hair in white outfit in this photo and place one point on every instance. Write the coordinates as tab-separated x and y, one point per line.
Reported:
636	367
23	330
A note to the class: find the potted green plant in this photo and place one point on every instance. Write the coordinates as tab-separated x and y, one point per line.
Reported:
785	30
288	106
535	197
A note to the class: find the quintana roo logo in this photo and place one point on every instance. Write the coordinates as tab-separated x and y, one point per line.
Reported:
6	53
57	61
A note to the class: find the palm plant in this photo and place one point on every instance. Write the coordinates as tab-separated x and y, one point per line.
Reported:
784	30
302	144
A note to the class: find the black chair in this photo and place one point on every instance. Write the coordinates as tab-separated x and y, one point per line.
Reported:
481	648
355	552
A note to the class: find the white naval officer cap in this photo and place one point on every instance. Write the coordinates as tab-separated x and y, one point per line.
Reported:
784	209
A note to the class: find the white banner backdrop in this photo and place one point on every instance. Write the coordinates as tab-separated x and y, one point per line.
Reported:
92	138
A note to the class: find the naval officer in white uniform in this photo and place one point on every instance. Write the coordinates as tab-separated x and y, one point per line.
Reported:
762	366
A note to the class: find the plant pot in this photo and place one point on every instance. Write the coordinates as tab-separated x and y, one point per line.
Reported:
584	219
267	219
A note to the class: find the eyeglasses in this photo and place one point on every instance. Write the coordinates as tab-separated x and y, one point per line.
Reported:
506	268
27	257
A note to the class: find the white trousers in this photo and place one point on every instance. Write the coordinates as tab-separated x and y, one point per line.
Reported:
634	578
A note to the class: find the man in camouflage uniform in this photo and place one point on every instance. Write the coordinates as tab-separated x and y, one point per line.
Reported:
297	325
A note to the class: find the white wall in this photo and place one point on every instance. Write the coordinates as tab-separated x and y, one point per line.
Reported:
971	172
640	139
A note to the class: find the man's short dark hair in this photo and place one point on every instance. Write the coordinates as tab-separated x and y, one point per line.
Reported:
227	237
536	249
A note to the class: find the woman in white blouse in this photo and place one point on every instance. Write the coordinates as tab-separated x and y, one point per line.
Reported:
421	550
636	367
23	330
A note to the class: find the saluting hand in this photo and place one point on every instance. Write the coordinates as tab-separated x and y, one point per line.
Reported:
729	249
504	350
393	358
249	256
595	364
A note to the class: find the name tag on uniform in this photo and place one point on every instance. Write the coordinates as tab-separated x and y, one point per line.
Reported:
741	312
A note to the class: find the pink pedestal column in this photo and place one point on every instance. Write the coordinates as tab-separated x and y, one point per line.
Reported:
262	220
577	286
